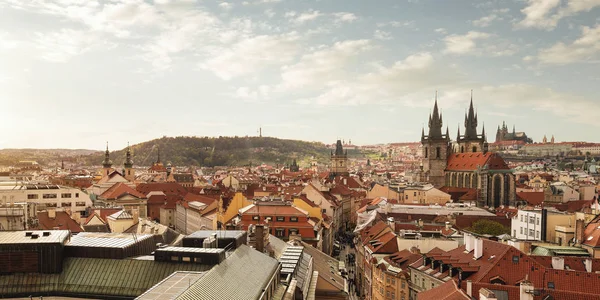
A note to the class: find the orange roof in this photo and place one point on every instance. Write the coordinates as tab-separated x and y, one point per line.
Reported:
471	161
61	220
274	210
532	198
446	291
119	190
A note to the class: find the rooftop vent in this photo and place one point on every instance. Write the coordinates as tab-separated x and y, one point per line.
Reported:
28	233
35	236
46	233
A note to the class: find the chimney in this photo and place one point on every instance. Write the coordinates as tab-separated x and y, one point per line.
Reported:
259	237
468	242
448	226
485	294
588	264
51	213
579	230
469	288
478	245
391	223
526	290
558	263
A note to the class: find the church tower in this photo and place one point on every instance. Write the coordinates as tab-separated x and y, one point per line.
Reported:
339	161
129	173
107	163
436	149
471	141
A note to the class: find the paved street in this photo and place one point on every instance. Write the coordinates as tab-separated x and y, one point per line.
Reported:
350	267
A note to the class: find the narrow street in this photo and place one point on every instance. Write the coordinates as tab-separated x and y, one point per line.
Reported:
351	268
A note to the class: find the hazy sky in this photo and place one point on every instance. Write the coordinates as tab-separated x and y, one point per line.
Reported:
78	73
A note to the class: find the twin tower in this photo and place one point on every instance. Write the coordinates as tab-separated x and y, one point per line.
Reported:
437	147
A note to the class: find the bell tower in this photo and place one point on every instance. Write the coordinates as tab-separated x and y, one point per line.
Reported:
107	163
436	148
129	173
339	160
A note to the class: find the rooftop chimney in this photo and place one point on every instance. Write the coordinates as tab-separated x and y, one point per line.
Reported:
558	263
478	245
469	288
485	294
526	290
579	230
468	242
588	264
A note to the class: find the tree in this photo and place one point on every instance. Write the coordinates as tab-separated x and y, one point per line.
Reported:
484	226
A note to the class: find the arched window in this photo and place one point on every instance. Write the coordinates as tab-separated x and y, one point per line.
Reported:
426	152
462	149
437	152
474	148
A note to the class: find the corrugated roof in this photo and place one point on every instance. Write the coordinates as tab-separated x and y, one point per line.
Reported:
96	277
247	270
107	240
172	286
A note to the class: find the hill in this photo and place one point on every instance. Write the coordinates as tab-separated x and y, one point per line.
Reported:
10	157
221	151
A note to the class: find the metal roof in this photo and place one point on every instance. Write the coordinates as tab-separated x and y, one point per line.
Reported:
172	286
107	240
189	249
96	278
202	234
19	237
246	269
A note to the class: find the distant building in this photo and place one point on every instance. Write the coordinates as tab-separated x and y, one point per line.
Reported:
339	161
502	134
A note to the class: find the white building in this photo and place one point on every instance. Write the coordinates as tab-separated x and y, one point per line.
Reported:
527	225
45	196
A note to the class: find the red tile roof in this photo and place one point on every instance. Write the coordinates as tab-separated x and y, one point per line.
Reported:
446	291
165	187
532	198
62	221
274	210
119	190
471	161
189	197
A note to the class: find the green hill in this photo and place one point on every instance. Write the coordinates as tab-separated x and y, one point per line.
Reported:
221	151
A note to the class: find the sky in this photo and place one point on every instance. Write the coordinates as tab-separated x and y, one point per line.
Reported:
79	73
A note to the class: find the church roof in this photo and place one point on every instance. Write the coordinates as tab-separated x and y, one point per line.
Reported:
473	160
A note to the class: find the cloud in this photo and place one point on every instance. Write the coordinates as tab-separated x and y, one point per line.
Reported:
382	35
252	54
322	65
441	30
305	17
486	21
60	46
545	14
585	48
463	44
344	17
226	5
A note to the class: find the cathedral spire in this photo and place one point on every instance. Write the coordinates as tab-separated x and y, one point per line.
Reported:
158	155
471	121
458	133
483	132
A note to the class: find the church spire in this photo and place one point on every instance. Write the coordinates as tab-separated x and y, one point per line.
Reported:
128	162
483	132
107	163
435	122
471	121
458	133
158	155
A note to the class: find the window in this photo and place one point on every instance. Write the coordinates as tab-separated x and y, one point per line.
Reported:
393	280
403	284
65	195
537	221
423	282
76	195
65	204
280	232
521	230
437	152
280	219
293	231
531	232
255	218
432	285
387	294
515	259
269	219
51	204
531	219
79	203
388	280
415	194
550	285
537	234
33	196
293	219
426	152
521	218
49	196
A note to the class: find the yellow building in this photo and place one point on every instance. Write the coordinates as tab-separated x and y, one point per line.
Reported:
424	194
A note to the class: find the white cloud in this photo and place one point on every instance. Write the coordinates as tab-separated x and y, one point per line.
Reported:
463	44
382	35
6	41
64	44
270	13
226	5
545	14
305	17
485	21
323	65
344	17
252	54
586	47
441	30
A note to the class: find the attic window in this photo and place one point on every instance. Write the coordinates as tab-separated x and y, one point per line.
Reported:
515	259
550	285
